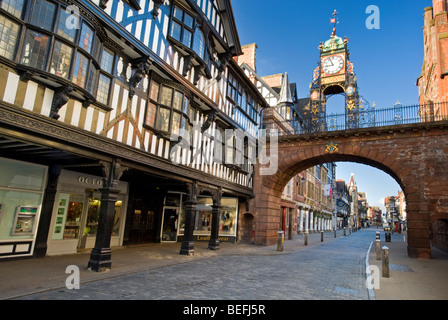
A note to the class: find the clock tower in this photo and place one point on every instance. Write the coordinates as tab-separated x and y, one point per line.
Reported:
334	75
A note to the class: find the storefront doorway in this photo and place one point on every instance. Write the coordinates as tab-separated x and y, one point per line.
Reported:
170	224
76	214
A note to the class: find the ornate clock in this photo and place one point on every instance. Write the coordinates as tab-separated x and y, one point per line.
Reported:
332	65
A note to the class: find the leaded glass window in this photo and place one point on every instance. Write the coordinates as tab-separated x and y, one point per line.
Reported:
9	33
35	49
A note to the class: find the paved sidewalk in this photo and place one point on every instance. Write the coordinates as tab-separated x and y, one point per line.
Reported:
411	279
428	280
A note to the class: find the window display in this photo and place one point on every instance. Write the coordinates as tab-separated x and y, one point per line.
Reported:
21	192
68	216
227	219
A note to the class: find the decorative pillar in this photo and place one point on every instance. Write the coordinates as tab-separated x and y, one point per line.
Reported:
40	249
307	225
100	257
216	213
300	230
311	221
187	247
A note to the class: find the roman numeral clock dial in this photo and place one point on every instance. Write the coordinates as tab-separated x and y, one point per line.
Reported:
333	64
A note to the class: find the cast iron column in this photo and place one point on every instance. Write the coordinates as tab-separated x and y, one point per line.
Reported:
40	250
187	246
100	257
213	243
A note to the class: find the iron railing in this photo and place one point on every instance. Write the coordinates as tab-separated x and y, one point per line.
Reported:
372	117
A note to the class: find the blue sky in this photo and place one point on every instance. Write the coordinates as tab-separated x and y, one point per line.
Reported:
387	60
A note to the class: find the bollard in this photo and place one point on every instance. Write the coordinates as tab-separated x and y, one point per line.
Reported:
344	232
378	249
335	232
321	236
385	262
280	241
377	235
306	238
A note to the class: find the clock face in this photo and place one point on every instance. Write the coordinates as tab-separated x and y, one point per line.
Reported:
333	64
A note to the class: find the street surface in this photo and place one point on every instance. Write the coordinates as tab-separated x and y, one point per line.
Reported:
333	270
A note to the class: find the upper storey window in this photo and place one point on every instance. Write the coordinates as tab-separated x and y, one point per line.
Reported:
182	27
189	38
35	34
184	30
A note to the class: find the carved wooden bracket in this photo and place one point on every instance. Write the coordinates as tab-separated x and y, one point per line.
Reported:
112	172
222	63
60	98
209	121
140	68
155	11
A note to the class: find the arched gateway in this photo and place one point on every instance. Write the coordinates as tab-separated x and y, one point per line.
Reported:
415	155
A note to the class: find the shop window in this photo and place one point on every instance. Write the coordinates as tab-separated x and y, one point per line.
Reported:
35	51
228	217
9	34
93	216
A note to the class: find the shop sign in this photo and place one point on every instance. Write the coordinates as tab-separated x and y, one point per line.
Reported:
90	181
221	239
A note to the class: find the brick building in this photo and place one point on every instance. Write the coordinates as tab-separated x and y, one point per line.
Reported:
306	203
433	81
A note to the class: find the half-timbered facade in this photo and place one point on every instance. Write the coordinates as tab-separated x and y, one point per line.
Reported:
140	125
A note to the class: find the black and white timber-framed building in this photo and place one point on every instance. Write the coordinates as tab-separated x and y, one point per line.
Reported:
114	121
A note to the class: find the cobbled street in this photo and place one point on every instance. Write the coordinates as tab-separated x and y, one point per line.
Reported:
332	270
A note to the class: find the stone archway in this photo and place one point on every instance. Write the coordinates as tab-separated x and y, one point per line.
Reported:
414	155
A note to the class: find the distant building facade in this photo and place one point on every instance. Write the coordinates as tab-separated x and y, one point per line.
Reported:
307	201
433	81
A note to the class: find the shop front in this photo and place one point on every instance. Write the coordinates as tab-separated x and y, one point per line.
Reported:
22	187
76	212
203	220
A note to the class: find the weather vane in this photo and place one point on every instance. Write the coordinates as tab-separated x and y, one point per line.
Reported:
335	22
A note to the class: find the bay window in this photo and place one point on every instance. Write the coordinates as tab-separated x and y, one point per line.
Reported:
168	109
189	37
49	45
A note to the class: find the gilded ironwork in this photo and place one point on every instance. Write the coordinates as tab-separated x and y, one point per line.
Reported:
331	147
